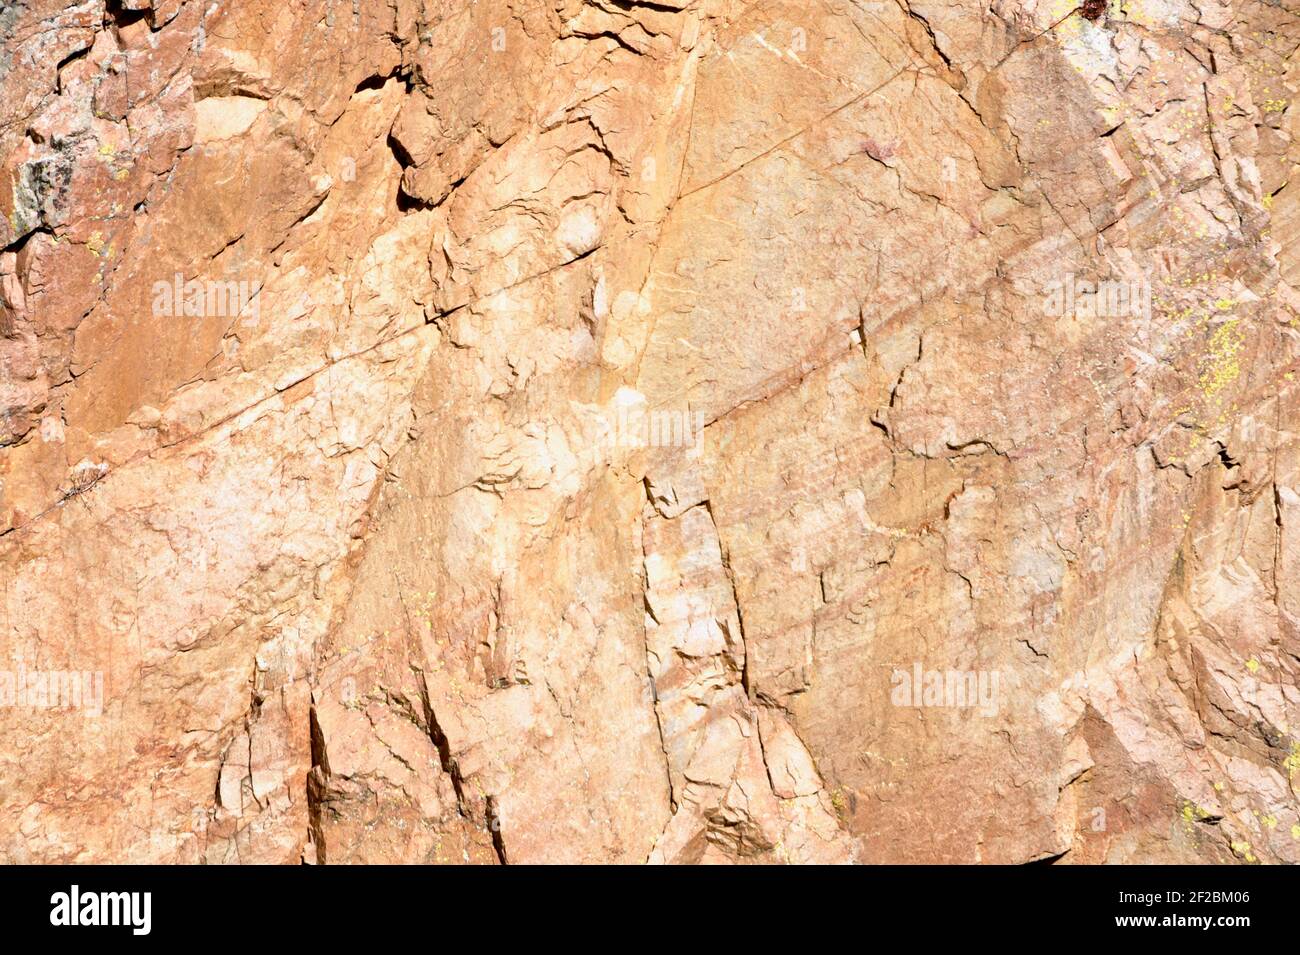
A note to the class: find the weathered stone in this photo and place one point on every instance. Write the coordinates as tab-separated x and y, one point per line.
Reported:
692	432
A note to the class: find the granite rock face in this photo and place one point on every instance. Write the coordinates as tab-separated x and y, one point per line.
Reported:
800	431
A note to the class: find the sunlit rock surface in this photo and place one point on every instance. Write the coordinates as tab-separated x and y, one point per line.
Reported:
700	431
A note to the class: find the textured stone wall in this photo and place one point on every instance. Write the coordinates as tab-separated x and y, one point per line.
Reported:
439	431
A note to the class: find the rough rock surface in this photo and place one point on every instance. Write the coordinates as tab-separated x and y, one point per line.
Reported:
581	422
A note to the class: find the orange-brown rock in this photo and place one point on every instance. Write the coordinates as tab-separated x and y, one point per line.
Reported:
440	431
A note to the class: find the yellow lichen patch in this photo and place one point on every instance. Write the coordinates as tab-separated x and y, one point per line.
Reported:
95	243
1192	813
1252	665
1292	763
1137	13
838	800
1243	849
1223	361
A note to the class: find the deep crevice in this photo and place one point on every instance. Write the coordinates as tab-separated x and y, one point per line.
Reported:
117	16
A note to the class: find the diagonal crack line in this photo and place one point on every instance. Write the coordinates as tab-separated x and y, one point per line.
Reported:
929	30
514	285
795	135
651	683
323	368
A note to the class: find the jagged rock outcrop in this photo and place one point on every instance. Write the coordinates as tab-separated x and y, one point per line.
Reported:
688	431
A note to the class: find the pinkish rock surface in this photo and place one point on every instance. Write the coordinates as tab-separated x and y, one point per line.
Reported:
691	431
